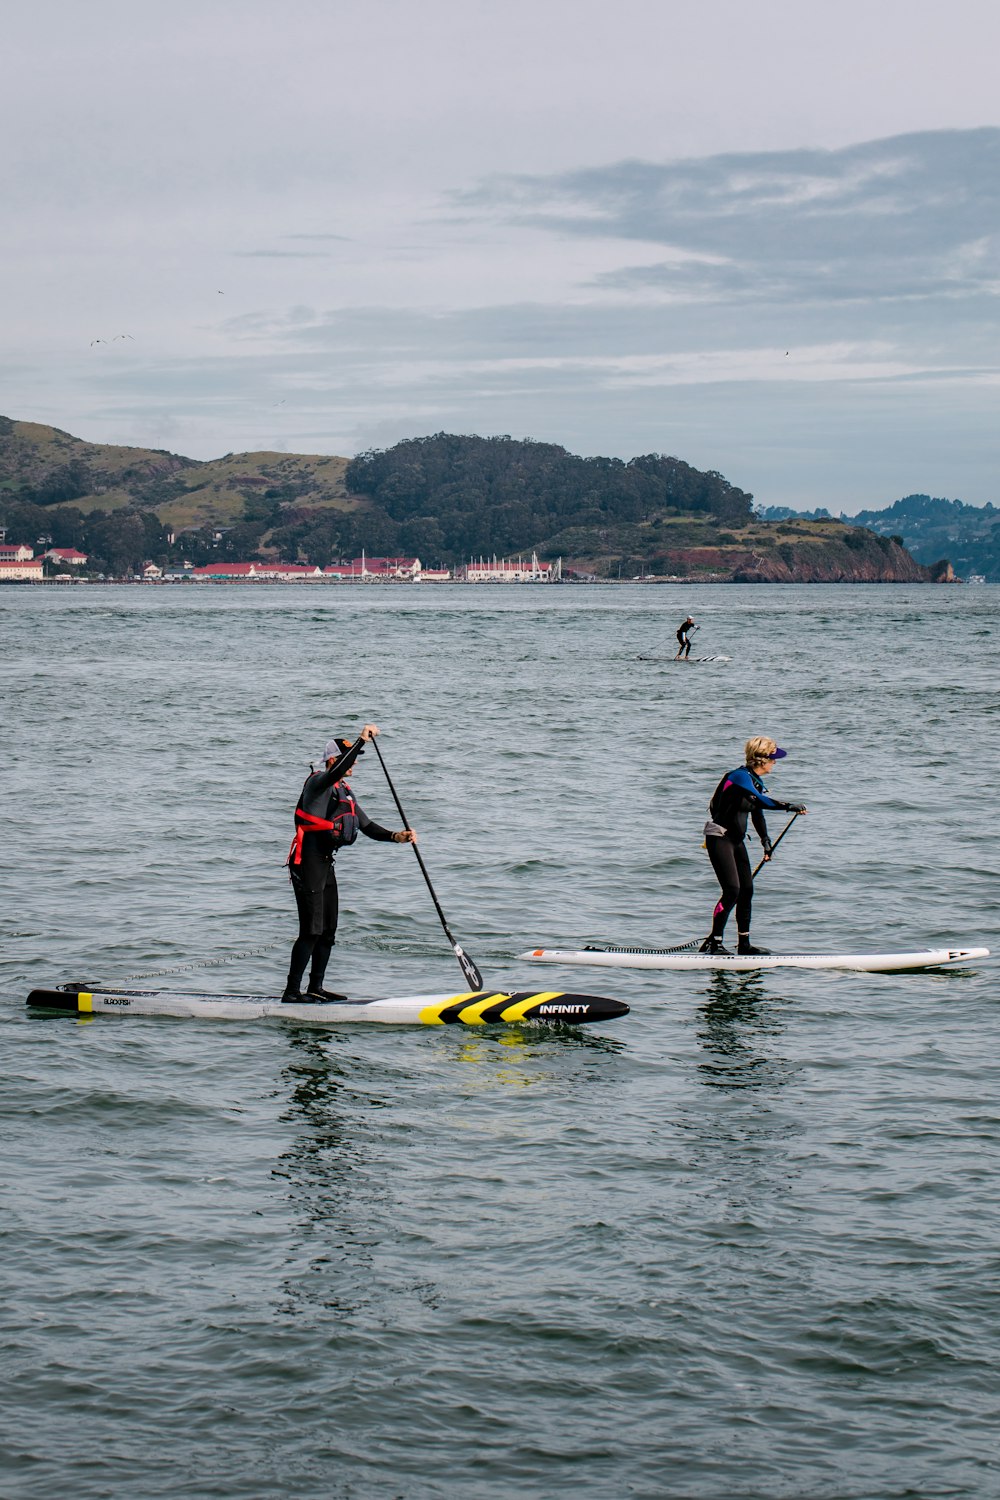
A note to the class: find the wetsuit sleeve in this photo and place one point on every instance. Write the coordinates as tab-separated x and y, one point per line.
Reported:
371	829
324	779
757	819
741	778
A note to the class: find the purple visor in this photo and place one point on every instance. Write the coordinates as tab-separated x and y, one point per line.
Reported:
778	754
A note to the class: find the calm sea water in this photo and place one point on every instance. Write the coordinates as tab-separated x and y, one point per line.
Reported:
741	1243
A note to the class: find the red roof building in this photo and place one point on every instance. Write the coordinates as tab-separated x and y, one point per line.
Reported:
256	572
23	570
381	567
224	570
67	555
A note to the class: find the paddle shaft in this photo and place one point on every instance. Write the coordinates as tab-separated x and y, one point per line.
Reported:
468	968
774	846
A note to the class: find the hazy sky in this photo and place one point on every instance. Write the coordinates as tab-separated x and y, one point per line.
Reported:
763	238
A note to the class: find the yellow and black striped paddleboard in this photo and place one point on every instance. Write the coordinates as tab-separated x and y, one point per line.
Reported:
472	1008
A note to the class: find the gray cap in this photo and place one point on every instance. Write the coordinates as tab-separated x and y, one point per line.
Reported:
338	747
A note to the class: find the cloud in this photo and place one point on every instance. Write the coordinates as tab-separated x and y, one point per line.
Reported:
808	322
282	254
912	216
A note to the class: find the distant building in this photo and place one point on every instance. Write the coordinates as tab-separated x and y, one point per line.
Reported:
219	572
23	570
433	575
15	552
379	568
69	556
256	572
288	572
503	570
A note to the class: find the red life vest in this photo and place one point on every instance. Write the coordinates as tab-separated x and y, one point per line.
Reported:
342	826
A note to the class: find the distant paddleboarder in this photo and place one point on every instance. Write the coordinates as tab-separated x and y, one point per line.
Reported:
327	816
684	633
739	795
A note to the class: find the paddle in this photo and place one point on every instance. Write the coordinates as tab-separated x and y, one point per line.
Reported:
781	835
472	974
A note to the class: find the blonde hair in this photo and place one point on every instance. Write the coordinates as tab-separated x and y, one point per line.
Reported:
759	749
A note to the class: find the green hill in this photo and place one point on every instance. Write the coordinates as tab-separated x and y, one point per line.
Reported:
931	528
48	467
444	498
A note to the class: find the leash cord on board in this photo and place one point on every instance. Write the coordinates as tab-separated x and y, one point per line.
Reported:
201	963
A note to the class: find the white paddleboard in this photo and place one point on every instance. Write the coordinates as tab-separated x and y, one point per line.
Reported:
472	1008
692	960
682	660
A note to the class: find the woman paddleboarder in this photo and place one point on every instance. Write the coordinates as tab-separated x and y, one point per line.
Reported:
739	795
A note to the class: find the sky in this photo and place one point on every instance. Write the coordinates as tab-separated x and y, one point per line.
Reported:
765	239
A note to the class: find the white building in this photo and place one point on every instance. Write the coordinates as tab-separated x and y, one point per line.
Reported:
257	572
379	569
26	570
504	570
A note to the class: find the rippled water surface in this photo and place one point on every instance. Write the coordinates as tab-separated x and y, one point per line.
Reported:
742	1242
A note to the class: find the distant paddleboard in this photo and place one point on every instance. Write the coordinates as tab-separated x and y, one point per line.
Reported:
691	960
474	1008
682	661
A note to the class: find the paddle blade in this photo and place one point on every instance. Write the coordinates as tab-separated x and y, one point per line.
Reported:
472	974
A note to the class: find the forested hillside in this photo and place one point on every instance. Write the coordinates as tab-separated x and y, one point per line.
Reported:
968	535
445	499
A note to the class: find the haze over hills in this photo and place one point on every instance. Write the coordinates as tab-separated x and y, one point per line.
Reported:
444	498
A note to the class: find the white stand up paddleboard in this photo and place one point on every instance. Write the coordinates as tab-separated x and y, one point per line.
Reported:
473	1008
689	959
682	660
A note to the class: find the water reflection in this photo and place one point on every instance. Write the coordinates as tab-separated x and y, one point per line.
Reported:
517	1056
355	1173
741	1139
316	1080
739	1021
333	1201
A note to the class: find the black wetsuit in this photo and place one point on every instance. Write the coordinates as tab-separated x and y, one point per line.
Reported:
314	878
740	795
684	639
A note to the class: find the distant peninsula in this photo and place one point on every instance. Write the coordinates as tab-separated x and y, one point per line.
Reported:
445	498
931	527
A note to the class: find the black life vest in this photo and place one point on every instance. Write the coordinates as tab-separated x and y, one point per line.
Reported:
342	822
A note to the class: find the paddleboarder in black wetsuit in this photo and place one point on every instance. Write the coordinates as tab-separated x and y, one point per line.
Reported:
684	639
326	818
739	795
